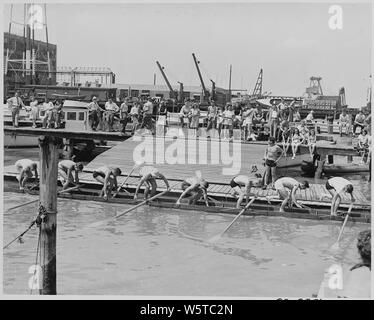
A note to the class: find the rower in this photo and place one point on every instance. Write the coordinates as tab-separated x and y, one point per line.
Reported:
108	177
242	184
286	188
65	171
25	167
340	185
149	174
196	187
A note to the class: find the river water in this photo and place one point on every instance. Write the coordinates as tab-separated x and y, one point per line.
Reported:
162	252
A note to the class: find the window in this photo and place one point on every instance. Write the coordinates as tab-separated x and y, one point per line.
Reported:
159	95
71	116
81	116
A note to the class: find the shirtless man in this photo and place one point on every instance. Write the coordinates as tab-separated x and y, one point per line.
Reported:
344	122
108	177
241	185
25	167
272	155
149	174
185	112
340	185
65	171
286	188
196	187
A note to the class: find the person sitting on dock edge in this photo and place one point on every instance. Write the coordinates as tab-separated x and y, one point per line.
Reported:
286	188
241	185
149	174
108	177
25	167
195	187
340	185
273	154
65	172
111	109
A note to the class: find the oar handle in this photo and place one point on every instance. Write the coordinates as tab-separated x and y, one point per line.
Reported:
345	222
141	203
123	183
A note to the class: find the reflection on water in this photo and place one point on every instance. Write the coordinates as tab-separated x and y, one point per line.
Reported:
165	252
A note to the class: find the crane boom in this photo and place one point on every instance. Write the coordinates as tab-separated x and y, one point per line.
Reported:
172	94
201	78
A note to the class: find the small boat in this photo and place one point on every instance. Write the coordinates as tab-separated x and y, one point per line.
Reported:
309	168
224	205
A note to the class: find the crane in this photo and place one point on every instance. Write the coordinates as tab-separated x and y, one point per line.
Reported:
172	93
257	91
205	92
213	94
181	94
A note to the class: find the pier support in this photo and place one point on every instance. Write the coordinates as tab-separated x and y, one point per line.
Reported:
48	199
330	159
319	170
349	159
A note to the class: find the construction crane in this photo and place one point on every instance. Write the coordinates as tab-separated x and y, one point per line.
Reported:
205	92
257	91
213	94
181	94
172	93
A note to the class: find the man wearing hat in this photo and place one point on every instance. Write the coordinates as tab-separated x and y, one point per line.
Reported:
94	113
15	104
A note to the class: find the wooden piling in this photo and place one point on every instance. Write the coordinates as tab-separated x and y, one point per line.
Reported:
319	170
48	199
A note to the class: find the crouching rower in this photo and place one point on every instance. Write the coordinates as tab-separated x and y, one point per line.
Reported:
108	177
25	167
149	174
241	185
340	185
65	172
195	187
286	188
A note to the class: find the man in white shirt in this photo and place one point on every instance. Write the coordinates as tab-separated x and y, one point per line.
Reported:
48	108
95	113
111	109
15	104
359	121
310	116
147	116
344	122
185	112
124	115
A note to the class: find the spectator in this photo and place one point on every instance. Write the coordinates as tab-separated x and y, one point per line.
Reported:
57	114
195	116
297	116
228	120
248	121
296	142
310	116
185	112
15	104
212	117
48	108
134	113
344	123
312	141
258	119
291	110
147	116
34	110
363	144
124	115
285	135
359	122
95	113
273	119
111	109
358	282
219	121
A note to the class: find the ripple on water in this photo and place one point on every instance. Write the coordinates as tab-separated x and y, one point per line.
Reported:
166	252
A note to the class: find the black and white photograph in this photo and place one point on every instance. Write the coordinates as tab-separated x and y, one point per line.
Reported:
187	150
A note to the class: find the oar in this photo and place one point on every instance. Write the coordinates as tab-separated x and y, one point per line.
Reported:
24	204
218	236
123	183
141	203
335	246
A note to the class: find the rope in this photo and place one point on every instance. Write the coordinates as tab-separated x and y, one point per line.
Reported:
19	237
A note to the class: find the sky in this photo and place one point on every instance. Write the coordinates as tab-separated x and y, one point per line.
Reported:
290	42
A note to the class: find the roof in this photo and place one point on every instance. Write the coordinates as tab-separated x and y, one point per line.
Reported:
157	87
75	104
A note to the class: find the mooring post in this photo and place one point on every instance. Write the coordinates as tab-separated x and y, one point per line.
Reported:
319	170
48	199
